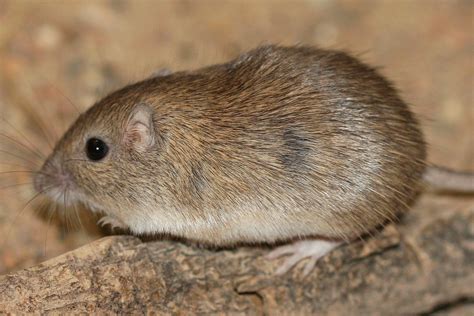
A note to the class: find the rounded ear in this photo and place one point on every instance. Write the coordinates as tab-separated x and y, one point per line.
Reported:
139	130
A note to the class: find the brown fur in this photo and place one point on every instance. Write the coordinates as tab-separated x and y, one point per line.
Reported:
281	142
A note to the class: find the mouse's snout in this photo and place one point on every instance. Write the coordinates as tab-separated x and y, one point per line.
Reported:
42	177
40	181
52	178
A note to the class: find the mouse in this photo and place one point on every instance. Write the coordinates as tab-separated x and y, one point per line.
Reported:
293	144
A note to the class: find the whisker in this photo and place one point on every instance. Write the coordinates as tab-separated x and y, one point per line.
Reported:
78	222
34	115
34	163
51	212
67	221
41	208
65	211
52	85
52	130
27	171
14	185
21	211
12	165
23	136
77	215
20	171
29	150
64	96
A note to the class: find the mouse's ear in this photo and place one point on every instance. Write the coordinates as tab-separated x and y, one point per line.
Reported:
139	130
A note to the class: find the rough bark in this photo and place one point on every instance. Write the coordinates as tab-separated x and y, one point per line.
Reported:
425	264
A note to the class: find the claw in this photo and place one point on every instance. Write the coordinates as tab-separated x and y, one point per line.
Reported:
112	221
301	250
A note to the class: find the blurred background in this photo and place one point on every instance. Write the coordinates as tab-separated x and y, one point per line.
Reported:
56	56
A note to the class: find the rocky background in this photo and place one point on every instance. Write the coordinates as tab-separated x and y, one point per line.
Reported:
58	57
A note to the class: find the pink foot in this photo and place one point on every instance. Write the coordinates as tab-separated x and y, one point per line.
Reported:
112	221
300	250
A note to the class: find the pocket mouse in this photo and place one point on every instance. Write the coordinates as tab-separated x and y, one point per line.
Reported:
279	144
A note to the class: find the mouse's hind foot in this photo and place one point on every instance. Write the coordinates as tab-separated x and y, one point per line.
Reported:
301	250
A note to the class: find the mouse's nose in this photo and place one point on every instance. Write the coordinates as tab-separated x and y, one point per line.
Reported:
42	179
50	177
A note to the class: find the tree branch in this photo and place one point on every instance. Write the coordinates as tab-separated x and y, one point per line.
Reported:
422	265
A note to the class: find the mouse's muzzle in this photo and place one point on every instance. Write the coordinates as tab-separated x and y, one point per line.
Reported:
53	180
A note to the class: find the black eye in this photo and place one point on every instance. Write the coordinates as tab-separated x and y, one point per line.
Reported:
96	149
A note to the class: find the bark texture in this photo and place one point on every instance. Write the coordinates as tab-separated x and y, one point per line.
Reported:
425	264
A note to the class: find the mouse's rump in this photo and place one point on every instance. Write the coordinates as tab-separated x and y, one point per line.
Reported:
321	140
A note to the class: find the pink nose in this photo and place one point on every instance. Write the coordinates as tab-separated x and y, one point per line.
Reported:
51	177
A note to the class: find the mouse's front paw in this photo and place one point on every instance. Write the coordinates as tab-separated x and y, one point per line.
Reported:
112	221
301	250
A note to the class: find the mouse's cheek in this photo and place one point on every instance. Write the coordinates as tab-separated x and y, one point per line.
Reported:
89	203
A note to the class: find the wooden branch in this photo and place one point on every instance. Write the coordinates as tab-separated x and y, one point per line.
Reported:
424	264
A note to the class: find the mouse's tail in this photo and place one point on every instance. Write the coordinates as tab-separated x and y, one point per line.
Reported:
444	179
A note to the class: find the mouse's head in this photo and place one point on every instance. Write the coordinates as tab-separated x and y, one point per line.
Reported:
102	159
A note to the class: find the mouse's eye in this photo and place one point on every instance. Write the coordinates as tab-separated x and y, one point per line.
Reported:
96	149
